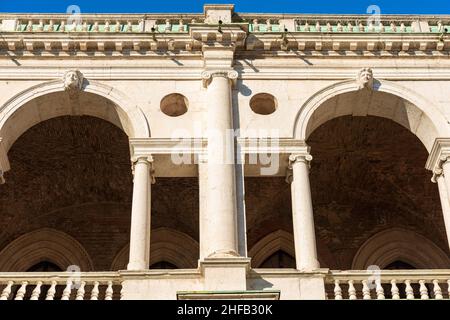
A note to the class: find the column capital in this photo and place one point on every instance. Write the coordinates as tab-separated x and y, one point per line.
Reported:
142	158
299	157
439	154
4	162
208	75
148	159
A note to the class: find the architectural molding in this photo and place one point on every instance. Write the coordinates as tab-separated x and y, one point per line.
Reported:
283	240
44	245
270	244
430	112
271	145
131	117
208	75
395	244
291	70
155	146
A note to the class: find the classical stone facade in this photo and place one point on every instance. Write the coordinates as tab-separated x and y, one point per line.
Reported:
224	155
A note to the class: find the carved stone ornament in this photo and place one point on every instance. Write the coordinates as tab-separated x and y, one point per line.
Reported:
73	81
365	79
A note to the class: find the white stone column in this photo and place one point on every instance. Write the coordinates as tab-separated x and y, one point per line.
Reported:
140	215
302	213
221	185
444	194
204	219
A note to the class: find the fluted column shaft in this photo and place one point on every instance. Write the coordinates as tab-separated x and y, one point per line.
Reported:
140	215
302	213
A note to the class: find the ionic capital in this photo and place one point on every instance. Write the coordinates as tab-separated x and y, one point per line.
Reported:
294	158
437	173
208	75
148	159
439	157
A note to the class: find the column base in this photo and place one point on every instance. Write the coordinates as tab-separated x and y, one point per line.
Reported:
137	266
312	286
229	295
225	273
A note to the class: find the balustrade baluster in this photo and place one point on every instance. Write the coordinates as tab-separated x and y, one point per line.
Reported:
168	27
81	291
51	292
351	290
95	291
318	28
37	291
268	25
394	290
22	290
437	290
379	290
109	291
409	290
448	288
337	290
7	291
255	25
366	291
423	290
67	290
307	27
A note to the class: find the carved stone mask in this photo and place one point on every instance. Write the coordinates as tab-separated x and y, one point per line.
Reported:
73	80
365	78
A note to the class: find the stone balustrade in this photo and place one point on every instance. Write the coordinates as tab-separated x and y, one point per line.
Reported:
60	286
252	23
339	285
388	284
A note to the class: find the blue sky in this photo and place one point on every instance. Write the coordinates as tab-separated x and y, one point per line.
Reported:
273	6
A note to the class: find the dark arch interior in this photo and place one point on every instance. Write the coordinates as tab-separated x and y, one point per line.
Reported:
73	174
163	265
368	175
399	265
44	266
279	259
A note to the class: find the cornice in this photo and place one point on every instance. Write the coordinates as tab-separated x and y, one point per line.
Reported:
268	146
236	35
142	147
286	72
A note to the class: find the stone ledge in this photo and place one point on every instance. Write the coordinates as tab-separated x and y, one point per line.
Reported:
229	295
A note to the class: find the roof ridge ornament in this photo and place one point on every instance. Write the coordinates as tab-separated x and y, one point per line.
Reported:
365	79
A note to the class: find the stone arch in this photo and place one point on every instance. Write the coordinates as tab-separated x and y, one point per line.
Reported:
407	108
284	241
44	244
29	107
394	244
165	245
